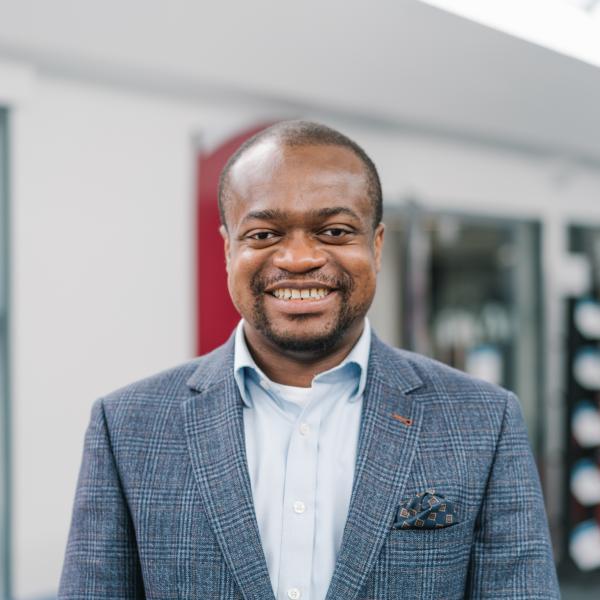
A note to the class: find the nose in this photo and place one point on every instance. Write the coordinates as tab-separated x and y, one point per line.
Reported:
299	254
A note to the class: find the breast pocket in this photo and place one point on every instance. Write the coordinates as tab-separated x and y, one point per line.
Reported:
424	563
438	537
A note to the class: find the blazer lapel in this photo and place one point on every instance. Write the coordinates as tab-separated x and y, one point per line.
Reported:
215	437
390	427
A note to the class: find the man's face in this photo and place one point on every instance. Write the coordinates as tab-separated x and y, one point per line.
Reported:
302	254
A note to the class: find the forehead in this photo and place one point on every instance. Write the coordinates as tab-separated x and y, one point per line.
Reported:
297	179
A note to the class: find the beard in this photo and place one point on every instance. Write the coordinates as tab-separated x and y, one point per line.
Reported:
316	345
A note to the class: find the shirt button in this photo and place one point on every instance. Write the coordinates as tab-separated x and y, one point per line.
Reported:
299	507
294	593
304	428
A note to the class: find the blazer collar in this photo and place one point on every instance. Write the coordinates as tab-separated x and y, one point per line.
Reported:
392	367
214	368
386	364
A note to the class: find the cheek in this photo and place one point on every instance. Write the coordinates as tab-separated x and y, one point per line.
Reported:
362	268
242	269
365	287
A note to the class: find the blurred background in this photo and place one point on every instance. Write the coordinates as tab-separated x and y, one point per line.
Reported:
116	117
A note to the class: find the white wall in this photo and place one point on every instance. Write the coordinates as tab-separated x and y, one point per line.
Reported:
102	260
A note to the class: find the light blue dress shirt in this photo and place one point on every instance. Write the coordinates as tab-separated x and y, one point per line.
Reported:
301	445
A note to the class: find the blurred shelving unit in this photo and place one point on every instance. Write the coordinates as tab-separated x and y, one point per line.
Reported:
582	427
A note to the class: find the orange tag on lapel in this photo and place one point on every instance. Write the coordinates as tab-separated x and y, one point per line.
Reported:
404	420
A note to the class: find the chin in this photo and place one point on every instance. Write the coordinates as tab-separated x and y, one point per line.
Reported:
315	339
321	344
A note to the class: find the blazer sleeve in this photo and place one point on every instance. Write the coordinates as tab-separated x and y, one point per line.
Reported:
101	561
511	556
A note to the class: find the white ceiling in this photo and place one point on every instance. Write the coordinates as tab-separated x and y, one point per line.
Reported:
393	62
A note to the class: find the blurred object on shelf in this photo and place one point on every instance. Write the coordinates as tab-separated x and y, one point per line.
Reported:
457	327
576	275
584	545
485	362
585	482
587	317
585	424
586	367
454	328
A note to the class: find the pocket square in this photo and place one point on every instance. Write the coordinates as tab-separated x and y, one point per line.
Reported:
426	510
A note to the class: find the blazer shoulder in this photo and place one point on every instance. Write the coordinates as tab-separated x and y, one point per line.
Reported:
449	382
170	386
167	385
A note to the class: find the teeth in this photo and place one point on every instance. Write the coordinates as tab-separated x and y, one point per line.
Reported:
296	294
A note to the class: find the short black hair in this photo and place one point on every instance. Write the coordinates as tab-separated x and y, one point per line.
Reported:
305	133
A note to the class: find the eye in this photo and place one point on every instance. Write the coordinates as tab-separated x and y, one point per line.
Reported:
335	232
261	236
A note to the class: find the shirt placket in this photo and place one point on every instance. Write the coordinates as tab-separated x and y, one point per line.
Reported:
298	524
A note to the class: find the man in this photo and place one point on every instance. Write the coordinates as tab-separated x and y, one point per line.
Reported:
306	459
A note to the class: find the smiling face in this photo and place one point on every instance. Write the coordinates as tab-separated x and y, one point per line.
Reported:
302	253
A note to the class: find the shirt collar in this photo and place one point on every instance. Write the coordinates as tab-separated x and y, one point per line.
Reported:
243	363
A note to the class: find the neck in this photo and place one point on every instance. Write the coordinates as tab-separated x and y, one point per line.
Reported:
296	368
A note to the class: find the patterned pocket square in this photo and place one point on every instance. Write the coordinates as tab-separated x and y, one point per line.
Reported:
426	510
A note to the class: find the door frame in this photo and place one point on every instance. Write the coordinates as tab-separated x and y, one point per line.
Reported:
5	416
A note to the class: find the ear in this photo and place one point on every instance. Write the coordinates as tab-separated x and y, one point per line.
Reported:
378	245
225	235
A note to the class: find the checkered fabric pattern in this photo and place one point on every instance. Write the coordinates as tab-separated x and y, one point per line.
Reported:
163	508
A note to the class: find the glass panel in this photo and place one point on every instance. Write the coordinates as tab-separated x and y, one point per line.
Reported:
467	290
484	316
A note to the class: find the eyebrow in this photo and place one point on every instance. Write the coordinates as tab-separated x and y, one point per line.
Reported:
275	214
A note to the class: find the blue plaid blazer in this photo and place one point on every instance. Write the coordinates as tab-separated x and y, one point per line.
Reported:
163	507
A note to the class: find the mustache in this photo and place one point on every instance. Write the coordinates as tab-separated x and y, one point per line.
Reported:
342	282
